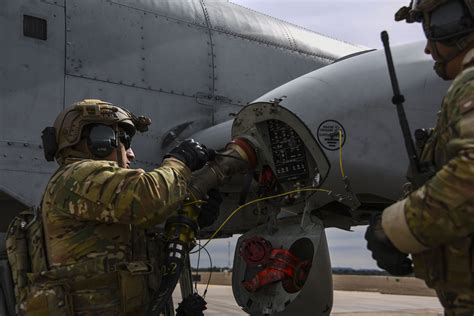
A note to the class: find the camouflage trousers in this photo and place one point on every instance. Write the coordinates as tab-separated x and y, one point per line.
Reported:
456	303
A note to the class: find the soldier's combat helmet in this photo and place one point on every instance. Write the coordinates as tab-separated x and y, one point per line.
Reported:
58	141
450	22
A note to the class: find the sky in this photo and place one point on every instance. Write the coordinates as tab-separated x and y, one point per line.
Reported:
353	21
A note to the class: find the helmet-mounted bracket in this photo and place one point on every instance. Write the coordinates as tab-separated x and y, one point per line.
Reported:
141	123
50	145
97	110
404	14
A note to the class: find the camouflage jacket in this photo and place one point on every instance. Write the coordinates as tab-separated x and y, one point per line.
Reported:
442	210
95	208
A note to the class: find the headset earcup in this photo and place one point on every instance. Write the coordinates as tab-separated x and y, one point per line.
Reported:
102	140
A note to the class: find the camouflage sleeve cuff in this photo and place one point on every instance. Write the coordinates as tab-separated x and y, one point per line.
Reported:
177	165
396	228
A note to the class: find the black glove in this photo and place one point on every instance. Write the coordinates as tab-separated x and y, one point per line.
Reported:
387	256
193	154
210	210
193	305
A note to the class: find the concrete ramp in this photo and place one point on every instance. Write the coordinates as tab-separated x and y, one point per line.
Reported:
220	301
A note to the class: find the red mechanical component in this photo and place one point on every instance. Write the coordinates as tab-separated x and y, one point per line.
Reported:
280	267
266	176
247	148
296	283
302	271
255	250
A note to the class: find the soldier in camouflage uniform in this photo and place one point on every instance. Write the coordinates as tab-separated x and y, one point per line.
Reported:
435	223
101	259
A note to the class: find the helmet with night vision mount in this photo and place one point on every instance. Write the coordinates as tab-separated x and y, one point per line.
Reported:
102	123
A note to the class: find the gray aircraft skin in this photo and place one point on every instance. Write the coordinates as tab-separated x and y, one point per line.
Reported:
193	65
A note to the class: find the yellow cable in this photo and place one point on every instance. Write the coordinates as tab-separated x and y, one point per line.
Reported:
259	200
340	154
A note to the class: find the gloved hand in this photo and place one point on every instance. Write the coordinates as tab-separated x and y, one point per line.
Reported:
210	210
387	256
193	305
193	154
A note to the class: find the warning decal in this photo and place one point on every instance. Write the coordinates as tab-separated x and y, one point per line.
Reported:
328	135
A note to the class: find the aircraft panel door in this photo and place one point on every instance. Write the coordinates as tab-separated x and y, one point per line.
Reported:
103	41
110	42
32	67
32	92
189	49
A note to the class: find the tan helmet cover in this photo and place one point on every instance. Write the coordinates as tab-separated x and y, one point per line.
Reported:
71	121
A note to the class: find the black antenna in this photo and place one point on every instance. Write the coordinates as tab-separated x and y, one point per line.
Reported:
420	173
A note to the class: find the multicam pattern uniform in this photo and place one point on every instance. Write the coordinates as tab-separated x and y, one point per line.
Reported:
95	216
441	213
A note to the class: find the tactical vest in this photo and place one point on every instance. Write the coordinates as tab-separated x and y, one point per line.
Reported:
448	267
25	250
95	286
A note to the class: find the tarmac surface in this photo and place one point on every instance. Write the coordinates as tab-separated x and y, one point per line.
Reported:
220	301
